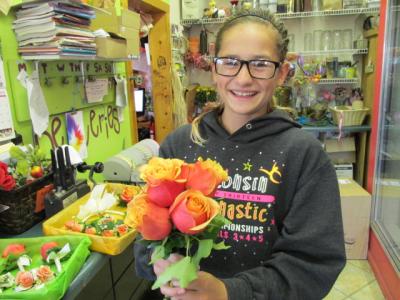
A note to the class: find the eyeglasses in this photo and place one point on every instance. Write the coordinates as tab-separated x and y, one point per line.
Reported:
258	68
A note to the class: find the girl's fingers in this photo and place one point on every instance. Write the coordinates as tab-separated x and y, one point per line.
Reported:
160	265
170	291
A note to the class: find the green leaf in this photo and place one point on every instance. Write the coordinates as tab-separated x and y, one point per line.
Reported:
220	246
22	167
185	271
17	153
158	253
203	251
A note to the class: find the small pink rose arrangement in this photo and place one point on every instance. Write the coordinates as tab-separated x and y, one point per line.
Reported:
176	212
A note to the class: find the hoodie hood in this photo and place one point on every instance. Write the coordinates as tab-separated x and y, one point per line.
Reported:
270	124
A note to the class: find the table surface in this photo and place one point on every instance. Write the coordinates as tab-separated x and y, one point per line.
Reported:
91	267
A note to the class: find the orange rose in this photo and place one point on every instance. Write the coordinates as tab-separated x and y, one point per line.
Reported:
191	212
150	220
44	273
128	193
165	179
25	279
205	176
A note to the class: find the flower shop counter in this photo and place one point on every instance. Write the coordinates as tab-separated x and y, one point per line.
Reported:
102	276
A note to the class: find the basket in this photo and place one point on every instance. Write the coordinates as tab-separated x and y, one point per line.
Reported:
107	245
348	115
21	214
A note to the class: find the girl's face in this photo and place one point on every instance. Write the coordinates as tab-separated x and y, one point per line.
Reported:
245	97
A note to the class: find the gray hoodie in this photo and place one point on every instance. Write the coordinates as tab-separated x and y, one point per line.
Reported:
282	198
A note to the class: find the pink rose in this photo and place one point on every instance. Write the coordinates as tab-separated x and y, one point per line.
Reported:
191	211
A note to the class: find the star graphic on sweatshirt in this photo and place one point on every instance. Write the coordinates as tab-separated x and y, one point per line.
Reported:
247	166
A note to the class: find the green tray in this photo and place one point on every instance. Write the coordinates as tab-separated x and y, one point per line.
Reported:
57	287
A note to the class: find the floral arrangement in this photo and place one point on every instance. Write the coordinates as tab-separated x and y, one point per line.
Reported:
205	94
103	225
199	61
176	213
25	167
15	256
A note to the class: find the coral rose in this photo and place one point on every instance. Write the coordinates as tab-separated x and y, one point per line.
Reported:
25	279
205	176
14	249
151	220
165	179
44	273
192	211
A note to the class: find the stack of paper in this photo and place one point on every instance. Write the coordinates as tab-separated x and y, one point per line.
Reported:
54	29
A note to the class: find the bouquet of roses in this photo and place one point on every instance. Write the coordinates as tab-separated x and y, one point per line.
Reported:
175	212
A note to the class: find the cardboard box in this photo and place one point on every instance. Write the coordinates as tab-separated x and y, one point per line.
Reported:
356	210
341	151
110	22
344	171
108	47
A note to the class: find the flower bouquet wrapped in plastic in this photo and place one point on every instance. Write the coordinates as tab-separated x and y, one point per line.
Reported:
176	213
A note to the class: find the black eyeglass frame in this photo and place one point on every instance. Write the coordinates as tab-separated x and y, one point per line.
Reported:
246	62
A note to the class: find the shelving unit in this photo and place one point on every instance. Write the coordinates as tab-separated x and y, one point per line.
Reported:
333	52
338	81
333	128
308	14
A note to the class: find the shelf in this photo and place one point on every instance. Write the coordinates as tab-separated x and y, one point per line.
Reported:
338	81
332	52
308	14
327	13
79	58
333	128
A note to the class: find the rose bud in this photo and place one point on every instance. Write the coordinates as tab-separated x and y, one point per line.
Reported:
25	279
44	273
14	249
191	211
151	220
165	179
205	176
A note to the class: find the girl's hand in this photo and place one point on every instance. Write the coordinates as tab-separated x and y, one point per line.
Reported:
160	266
205	287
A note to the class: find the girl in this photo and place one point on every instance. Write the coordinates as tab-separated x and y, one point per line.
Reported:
282	195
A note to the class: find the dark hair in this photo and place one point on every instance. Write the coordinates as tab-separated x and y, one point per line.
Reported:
256	16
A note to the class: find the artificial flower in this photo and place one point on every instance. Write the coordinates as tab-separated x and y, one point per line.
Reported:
47	248
151	220
205	176
25	279
191	211
14	249
44	274
7	182
165	179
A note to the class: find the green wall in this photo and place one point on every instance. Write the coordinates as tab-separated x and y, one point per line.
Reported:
105	135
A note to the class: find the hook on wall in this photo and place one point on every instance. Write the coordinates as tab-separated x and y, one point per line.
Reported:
47	82
65	80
